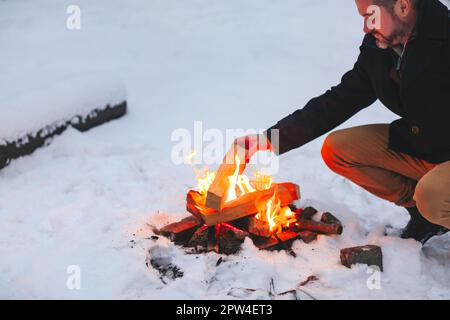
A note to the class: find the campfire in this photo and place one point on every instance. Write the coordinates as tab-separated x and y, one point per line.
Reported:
228	206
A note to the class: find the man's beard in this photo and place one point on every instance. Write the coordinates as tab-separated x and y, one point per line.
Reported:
393	39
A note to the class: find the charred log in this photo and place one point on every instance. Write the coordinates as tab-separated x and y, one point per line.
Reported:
319	227
180	232
199	240
306	213
308	236
328	218
370	255
259	227
229	238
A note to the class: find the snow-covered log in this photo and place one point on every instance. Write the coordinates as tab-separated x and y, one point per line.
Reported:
30	121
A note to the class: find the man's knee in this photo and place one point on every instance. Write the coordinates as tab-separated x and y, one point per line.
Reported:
331	149
433	201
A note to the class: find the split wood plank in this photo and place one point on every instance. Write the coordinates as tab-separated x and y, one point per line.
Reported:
245	205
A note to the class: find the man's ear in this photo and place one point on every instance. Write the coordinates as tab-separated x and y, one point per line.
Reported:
403	8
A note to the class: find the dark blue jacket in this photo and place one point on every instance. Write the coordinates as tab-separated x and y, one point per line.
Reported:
421	98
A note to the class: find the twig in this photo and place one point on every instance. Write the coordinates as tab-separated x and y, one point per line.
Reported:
272	291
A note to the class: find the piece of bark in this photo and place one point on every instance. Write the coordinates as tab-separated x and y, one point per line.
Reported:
328	218
245	205
229	238
370	255
199	240
318	227
259	227
306	213
180	232
217	192
308	236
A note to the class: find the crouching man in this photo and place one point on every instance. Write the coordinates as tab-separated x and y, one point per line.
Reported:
404	62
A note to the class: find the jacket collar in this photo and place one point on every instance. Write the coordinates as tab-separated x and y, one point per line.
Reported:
432	20
431	32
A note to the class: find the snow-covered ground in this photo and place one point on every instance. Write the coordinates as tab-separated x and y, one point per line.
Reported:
230	64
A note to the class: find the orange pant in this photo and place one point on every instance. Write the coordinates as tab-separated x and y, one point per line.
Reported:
361	155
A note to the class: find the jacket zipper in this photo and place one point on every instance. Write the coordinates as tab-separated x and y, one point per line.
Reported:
400	59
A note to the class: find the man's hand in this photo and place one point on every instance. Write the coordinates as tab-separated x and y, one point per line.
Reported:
252	144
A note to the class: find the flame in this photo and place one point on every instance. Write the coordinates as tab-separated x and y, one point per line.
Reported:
204	181
276	216
204	177
262	181
238	184
272	209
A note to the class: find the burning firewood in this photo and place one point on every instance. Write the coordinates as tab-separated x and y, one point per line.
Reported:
274	243
199	240
232	166
229	238
370	255
180	232
259	227
245	205
319	227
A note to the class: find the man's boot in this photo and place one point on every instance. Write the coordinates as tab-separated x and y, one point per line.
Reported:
421	229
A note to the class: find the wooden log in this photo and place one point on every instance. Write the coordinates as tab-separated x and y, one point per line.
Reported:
273	243
241	223
26	145
199	240
229	238
180	232
259	227
306	213
285	246
244	206
217	192
370	255
308	236
319	227
328	218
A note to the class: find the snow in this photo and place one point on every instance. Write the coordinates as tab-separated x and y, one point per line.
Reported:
230	64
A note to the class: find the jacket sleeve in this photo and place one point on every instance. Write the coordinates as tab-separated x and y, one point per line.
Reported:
326	112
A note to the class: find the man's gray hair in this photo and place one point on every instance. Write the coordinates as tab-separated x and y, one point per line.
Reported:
389	4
